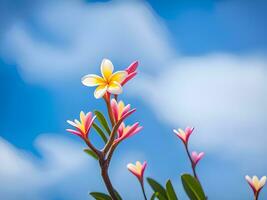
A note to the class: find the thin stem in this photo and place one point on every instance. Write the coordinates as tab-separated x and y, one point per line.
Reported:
256	195
112	149
143	190
192	165
192	162
107	100
95	150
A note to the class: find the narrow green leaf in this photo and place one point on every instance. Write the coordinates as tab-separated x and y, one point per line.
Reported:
91	153
100	132
192	187
170	191
100	196
153	197
161	196
101	118
117	195
157	188
157	195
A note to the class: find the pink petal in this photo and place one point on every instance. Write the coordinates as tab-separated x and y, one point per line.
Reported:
126	109
143	169
129	77
127	114
120	130
189	130
88	119
131	129
74	132
114	108
91	121
132	67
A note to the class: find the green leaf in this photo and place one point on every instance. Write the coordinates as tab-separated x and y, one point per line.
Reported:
157	195
159	189
91	153
153	197
101	118
170	191
100	132
117	195
100	196
192	187
161	196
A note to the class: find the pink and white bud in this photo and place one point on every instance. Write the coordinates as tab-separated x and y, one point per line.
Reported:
138	170
83	126
196	157
127	131
255	183
184	134
119	110
131	70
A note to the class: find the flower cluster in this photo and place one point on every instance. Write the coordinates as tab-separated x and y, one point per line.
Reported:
114	129
108	86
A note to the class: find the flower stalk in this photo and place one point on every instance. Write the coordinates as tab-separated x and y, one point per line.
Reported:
256	184
138	170
193	166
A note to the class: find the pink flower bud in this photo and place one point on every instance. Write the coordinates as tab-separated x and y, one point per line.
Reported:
184	134
131	70
127	131
196	157
119	110
83	126
138	170
255	183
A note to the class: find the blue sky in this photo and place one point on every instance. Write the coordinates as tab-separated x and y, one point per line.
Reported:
201	63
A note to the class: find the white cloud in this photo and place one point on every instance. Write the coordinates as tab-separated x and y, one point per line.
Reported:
223	96
72	36
63	171
28	177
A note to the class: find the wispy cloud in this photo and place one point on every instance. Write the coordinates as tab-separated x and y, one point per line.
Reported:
62	171
223	96
29	177
71	36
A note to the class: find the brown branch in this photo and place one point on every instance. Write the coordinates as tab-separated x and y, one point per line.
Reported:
92	147
106	179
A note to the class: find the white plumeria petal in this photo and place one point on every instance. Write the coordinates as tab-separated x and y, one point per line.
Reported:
92	80
106	68
100	91
115	88
262	181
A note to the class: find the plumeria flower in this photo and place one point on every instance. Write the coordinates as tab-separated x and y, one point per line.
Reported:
131	72
138	170
83	126
109	82
184	134
196	157
119	110
255	183
127	131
